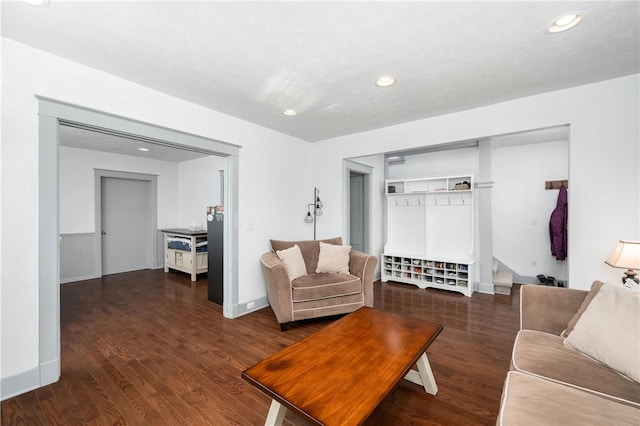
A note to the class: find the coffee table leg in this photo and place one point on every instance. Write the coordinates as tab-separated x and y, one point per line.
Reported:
424	376
276	414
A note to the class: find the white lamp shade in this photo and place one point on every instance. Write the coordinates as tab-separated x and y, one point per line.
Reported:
626	255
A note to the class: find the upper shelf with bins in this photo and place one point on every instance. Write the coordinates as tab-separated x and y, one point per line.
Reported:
444	184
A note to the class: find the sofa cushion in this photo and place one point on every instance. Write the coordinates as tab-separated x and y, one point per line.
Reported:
595	287
544	355
321	286
333	259
310	250
529	400
609	330
293	261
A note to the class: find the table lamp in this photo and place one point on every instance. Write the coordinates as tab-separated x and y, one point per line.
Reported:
626	256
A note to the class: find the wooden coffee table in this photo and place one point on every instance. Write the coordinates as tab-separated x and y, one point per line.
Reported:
339	375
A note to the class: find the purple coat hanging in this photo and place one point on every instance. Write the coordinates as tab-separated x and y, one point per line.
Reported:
558	226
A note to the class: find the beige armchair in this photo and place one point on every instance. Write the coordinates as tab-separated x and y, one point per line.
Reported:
316	294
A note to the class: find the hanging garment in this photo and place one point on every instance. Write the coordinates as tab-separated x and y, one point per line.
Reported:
558	226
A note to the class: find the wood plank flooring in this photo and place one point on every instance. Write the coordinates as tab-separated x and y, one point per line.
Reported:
147	348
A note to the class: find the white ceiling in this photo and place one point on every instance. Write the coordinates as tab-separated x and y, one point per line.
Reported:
549	134
125	144
252	60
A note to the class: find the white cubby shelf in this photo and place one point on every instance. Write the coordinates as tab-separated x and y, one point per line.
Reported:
453	275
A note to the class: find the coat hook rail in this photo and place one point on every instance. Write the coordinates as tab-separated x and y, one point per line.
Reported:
556	184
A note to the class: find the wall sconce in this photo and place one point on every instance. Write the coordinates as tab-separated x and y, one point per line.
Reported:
313	210
626	256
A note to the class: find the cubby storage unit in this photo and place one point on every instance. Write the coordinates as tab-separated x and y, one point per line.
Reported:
188	259
429	241
425	273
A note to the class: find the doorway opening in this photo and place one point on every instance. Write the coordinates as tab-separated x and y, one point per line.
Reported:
513	205
357	190
52	115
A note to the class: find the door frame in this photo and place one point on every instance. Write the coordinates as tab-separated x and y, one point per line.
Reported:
99	174
50	113
367	171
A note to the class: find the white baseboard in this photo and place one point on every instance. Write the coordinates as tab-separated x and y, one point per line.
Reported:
20	383
49	372
486	288
241	308
75	279
17	384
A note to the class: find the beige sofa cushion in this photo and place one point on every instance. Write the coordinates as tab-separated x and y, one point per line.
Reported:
321	286
529	400
333	259
609	330
293	261
544	355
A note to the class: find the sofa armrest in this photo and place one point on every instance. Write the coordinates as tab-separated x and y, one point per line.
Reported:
278	286
363	266
548	309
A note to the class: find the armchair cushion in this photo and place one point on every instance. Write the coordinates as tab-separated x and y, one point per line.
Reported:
321	286
333	259
293	261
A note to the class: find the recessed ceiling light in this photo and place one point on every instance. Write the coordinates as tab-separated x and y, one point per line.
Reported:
565	22
289	112
143	149
385	81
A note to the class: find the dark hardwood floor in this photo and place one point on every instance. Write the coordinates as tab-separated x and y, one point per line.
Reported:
147	348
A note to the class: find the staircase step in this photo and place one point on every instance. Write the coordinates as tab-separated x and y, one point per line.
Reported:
502	282
498	289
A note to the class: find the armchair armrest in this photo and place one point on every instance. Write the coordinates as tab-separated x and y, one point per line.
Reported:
278	286
363	266
548	309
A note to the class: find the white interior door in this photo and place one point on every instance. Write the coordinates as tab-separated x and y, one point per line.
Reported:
126	223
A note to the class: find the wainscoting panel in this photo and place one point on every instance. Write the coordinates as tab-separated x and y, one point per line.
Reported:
77	257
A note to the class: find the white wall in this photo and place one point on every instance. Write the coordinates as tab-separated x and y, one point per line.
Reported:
76	187
522	207
437	163
199	187
274	178
603	153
